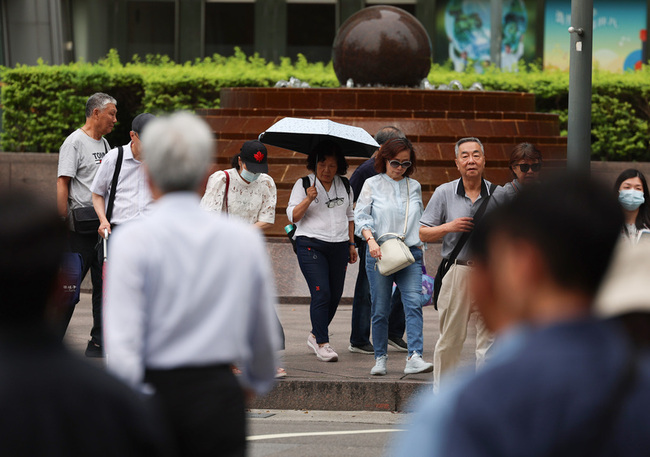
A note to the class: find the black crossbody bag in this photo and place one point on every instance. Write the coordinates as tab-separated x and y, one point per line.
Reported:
445	264
85	220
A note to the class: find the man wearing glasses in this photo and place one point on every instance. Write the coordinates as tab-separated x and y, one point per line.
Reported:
448	215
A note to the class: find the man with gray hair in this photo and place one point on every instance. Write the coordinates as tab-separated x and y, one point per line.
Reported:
189	293
449	216
79	158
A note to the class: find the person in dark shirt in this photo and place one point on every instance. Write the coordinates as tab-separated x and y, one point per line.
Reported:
54	403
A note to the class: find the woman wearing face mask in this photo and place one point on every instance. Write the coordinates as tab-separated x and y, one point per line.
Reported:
247	192
632	189
244	191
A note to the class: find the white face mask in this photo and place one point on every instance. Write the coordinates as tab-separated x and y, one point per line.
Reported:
249	176
630	199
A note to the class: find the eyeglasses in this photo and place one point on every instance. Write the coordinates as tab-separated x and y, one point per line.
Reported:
397	164
524	167
334	202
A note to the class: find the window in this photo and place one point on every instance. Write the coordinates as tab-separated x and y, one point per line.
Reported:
150	28
228	25
311	28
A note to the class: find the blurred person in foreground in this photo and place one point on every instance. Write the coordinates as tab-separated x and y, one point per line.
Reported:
559	382
631	187
189	293
53	403
525	166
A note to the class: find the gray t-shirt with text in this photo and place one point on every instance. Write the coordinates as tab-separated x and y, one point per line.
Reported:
79	159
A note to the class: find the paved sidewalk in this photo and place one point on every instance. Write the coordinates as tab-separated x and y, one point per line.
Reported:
312	384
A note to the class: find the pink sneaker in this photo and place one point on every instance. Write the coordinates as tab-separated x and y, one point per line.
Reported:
311	342
326	353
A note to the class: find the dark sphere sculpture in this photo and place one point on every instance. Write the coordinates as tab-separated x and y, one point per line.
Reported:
382	45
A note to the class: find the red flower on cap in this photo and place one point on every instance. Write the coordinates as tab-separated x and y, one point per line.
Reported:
259	156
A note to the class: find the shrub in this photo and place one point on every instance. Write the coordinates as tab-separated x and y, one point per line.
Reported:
43	104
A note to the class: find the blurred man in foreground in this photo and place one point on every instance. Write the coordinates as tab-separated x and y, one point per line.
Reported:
189	293
52	402
560	383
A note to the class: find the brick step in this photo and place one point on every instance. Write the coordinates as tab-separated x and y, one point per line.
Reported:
374	98
418	130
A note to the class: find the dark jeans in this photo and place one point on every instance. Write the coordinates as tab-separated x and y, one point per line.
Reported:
204	409
361	306
323	265
91	251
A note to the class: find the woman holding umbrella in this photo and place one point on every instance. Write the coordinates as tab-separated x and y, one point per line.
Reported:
324	217
391	202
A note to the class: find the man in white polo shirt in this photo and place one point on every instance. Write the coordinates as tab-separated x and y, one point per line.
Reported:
132	194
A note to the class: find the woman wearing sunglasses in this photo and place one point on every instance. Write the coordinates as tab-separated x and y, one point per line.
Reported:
324	238
525	165
381	209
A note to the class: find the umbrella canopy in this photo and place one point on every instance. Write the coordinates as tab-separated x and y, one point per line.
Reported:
302	135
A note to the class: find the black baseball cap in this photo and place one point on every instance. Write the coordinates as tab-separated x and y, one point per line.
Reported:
140	121
254	155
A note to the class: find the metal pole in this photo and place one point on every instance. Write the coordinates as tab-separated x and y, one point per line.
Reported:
579	128
496	31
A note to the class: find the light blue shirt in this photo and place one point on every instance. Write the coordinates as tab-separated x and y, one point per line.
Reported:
381	208
186	287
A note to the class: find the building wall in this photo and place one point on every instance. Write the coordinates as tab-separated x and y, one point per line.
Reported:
32	29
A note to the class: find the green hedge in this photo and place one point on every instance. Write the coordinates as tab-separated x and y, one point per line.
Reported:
43	104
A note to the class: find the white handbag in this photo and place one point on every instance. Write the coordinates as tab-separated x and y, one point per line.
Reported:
395	254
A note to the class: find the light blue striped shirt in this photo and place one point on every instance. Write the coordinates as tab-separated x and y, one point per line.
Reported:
381	208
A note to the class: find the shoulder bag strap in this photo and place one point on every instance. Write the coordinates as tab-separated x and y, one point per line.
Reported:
116	174
224	207
463	239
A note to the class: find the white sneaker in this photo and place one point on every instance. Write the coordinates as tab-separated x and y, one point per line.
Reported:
380	366
415	364
311	342
326	353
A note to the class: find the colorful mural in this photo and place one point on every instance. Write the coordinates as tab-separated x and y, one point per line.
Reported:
617	26
464	33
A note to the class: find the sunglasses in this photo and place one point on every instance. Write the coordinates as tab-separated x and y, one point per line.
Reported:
334	202
397	164
524	167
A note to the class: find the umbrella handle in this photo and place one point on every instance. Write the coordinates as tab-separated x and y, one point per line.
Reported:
105	241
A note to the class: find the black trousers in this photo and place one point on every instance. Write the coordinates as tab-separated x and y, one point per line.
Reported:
204	408
91	251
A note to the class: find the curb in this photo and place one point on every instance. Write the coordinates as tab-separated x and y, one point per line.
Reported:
363	395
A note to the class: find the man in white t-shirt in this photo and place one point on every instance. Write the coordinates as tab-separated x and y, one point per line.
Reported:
132	194
79	158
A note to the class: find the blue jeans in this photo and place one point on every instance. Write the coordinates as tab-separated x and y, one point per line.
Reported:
409	282
323	265
361	306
